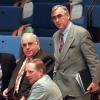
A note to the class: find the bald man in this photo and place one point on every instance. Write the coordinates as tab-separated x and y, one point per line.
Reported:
31	49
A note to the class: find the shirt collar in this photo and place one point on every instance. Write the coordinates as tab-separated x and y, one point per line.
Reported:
67	29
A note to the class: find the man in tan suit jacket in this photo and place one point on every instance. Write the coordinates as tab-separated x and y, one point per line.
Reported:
78	53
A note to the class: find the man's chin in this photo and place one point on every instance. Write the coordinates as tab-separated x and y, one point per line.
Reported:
31	82
28	55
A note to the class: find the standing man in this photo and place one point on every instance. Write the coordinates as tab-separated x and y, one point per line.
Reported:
43	87
31	49
74	51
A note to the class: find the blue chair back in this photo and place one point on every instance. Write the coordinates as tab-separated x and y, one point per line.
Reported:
10	18
46	44
10	44
6	2
97	46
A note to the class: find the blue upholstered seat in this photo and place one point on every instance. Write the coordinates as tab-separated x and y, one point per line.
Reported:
97	46
46	44
10	44
10	19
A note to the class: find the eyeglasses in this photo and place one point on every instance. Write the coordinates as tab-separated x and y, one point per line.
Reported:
24	45
59	16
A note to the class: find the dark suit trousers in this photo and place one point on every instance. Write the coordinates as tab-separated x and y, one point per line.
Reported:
84	97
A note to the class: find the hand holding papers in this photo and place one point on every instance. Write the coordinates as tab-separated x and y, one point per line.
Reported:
84	79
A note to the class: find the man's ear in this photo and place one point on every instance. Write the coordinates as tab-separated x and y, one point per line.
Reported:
41	71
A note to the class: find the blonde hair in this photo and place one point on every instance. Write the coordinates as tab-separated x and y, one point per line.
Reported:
39	64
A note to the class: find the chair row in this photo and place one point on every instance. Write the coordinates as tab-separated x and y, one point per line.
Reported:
11	44
90	14
10	18
10	2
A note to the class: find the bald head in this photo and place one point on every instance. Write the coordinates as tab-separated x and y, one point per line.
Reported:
30	44
29	36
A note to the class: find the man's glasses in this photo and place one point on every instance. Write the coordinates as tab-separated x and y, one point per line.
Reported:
59	16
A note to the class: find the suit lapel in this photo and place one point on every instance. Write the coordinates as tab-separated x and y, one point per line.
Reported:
56	45
70	38
15	74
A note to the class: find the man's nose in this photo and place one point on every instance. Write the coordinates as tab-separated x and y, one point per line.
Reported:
27	74
27	46
56	19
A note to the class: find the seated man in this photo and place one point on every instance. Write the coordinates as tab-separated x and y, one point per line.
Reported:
31	49
43	87
7	65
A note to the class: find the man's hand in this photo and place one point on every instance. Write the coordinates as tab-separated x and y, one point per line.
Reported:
5	92
93	87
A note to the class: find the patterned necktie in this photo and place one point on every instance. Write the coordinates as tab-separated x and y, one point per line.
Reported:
61	43
19	77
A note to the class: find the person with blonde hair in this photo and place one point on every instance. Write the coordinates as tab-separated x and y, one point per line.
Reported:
19	85
43	87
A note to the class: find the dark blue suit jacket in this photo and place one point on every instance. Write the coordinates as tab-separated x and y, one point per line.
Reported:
8	63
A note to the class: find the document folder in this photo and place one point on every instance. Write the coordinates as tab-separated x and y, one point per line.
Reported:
84	79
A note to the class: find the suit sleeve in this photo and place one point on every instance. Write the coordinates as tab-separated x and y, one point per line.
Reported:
37	92
89	53
49	64
24	88
9	65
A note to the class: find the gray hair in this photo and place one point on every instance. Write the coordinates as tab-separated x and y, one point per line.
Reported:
31	35
59	6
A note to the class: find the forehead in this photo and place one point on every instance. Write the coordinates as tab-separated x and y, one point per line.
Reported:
57	11
28	39
30	67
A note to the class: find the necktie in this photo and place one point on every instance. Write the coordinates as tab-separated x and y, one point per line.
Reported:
19	77
61	43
